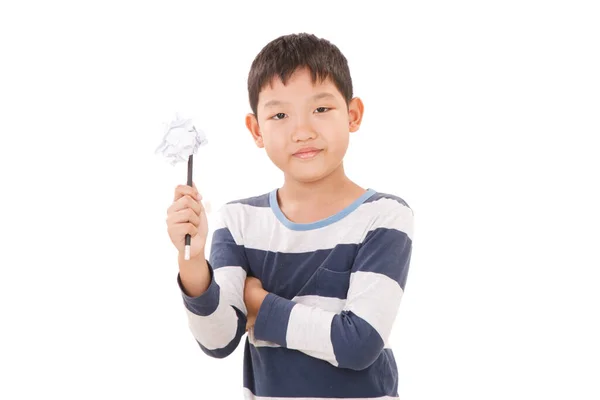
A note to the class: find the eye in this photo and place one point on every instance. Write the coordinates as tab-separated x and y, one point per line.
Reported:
278	116
321	110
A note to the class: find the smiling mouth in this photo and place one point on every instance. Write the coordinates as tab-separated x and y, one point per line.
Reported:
307	154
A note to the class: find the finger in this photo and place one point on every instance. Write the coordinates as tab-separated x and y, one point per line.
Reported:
199	195
183	228
197	191
184	216
185	190
187	229
185	202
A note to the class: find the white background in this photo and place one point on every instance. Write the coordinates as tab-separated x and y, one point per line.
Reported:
481	115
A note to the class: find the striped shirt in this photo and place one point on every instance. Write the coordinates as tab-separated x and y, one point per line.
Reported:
334	290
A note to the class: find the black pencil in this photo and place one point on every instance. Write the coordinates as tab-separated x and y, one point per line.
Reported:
188	238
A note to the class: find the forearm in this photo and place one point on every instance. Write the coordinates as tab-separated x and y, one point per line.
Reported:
212	292
215	321
195	275
344	339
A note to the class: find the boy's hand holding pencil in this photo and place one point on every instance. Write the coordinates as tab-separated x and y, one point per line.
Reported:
186	216
180	142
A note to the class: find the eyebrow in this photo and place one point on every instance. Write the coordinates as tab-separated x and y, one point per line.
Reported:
318	96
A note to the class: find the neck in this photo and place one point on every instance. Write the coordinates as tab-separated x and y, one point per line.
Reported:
333	186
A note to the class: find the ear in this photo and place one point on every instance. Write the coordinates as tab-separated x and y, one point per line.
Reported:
252	125
356	109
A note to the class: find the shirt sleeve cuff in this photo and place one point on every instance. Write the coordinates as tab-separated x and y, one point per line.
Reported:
207	302
272	320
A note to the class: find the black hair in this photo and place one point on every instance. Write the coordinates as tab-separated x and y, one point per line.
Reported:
283	56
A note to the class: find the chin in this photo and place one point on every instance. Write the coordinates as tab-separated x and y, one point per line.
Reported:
309	175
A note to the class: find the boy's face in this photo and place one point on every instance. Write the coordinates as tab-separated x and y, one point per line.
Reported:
304	127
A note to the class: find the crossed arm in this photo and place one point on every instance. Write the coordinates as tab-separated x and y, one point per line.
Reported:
352	338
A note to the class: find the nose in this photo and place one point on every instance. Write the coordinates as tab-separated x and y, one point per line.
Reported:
303	131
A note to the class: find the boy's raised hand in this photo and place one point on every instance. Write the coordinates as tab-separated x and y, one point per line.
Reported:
187	215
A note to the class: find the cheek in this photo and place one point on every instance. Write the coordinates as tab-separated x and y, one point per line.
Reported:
340	146
337	136
272	143
275	149
276	136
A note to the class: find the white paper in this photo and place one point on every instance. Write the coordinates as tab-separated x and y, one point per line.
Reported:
181	140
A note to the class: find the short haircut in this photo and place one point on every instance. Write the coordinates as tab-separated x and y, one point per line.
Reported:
283	56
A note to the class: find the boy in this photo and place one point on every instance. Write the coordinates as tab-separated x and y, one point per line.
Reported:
314	271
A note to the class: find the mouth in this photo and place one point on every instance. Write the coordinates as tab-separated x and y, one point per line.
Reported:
307	153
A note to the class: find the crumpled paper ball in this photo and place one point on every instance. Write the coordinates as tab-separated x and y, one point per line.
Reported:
181	140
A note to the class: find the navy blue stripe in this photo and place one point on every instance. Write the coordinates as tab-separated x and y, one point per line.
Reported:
356	344
327	272
227	350
332	283
295	274
386	251
379	196
272	320
225	252
256	201
281	372
207	302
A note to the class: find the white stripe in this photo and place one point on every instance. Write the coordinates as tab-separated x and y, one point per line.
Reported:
231	281
366	296
263	343
332	304
249	396
214	331
309	331
259	343
258	227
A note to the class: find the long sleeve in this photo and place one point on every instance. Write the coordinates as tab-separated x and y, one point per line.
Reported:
217	318
355	337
